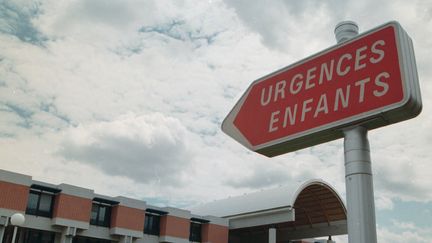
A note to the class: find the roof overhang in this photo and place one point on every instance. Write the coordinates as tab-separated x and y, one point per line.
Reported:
315	210
269	216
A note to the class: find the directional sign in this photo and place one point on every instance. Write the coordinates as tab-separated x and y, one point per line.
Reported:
369	80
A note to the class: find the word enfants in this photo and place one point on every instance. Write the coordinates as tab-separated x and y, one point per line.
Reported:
334	70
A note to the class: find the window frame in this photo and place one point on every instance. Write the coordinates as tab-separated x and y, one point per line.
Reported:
193	235
37	211
40	234
107	217
155	227
84	239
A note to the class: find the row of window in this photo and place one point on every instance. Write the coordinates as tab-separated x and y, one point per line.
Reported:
26	235
38	236
79	239
40	203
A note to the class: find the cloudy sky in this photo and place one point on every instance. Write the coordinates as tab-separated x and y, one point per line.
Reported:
127	98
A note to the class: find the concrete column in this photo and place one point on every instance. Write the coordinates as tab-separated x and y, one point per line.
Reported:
66	239
67	235
2	230
3	224
126	239
272	235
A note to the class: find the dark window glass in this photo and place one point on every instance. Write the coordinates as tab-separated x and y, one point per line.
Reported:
8	232
40	203
38	236
45	203
80	239
32	236
100	215
47	237
107	216
151	224
94	213
32	202
195	232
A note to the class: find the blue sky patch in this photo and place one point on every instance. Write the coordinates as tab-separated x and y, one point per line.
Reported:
16	21
418	212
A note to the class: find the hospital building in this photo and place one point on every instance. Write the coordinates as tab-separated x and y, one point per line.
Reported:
70	214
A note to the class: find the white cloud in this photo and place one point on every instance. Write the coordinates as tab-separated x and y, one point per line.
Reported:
400	156
144	148
383	202
283	25
404	232
150	81
261	176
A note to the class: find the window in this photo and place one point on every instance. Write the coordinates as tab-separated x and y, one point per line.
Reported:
151	224
38	236
80	239
195	232
100	214
40	203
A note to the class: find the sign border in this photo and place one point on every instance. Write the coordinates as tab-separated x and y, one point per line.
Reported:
409	107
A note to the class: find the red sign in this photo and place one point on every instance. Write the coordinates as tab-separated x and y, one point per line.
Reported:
370	79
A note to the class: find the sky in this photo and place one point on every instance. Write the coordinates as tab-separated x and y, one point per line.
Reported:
127	97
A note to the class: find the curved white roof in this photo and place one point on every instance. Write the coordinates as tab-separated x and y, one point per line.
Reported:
283	196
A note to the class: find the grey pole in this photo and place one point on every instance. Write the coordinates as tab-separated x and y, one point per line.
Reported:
17	219
272	235
14	234
358	169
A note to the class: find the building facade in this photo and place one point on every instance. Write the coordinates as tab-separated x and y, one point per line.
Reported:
70	214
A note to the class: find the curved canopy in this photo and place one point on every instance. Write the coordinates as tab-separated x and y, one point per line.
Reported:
312	209
249	203
316	202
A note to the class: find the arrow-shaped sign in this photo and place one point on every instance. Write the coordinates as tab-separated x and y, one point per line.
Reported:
371	79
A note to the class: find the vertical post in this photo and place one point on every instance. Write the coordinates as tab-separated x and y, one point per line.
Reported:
126	239
358	169
17	219
2	229
3	224
14	234
67	234
359	186
272	235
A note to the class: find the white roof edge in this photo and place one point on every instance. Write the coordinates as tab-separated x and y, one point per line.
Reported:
282	196
314	182
260	212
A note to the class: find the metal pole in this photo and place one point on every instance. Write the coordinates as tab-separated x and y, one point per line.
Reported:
2	230
14	234
359	187
358	169
17	219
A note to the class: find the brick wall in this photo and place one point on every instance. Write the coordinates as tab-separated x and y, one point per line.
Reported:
127	218
174	227
213	233
13	196
72	207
